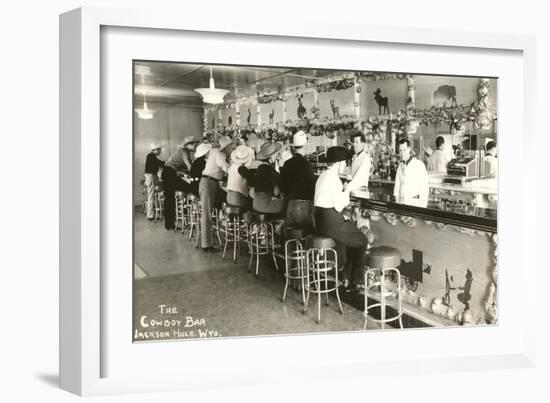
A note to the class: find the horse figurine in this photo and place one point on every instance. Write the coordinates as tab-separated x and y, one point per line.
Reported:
381	101
335	109
271	115
248	118
301	111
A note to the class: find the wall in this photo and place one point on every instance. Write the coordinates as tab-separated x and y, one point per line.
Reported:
170	125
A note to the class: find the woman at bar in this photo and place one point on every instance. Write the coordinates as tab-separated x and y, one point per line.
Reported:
265	180
237	185
330	200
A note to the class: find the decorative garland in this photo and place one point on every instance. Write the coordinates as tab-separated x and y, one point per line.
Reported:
336	85
280	95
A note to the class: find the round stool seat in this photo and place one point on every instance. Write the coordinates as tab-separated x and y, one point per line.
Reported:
192	197
179	193
158	188
233	210
296	233
383	257
320	242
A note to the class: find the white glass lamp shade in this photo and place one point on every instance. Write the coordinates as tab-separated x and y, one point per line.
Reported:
145	113
212	95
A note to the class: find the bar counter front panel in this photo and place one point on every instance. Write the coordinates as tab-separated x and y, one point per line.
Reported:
449	256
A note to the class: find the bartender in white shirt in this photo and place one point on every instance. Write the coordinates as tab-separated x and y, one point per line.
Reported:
437	162
490	159
411	181
360	165
329	200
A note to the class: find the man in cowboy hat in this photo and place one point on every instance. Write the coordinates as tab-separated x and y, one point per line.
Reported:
152	166
215	169
265	179
237	185
179	162
330	200
298	184
198	166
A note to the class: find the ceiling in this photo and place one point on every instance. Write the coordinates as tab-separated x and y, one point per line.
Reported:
173	83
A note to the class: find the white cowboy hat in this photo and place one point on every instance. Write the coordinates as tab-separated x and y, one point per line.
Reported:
188	140
242	155
299	139
154	145
202	149
224	142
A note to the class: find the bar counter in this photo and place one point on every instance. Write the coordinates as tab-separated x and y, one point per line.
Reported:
448	257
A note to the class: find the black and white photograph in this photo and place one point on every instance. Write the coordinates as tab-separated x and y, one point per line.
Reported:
287	200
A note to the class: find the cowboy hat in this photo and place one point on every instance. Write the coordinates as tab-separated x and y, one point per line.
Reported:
224	142
154	145
336	154
188	140
268	149
202	149
242	155
299	139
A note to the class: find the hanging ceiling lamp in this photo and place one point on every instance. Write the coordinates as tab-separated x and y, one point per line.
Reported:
144	113
212	95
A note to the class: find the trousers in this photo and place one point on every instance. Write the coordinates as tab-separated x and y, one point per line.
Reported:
151	181
352	243
208	191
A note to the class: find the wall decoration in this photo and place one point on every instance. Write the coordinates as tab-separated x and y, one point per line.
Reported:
335	109
248	117
480	108
301	110
267	98
445	94
229	120
335	85
271	115
381	101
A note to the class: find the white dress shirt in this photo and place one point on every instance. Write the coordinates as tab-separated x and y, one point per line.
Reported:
411	183
360	171
492	165
216	164
437	162
329	191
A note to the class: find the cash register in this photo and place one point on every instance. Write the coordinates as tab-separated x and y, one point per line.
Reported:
461	170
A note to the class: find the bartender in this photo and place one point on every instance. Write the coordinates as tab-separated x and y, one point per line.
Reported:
360	165
411	181
437	162
491	159
330	199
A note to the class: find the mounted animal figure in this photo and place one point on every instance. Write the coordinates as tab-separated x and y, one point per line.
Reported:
381	101
335	109
301	111
248	117
271	116
444	94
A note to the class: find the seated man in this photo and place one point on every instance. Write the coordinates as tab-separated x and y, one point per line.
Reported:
330	200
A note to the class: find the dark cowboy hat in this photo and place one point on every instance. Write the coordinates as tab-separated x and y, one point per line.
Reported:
336	154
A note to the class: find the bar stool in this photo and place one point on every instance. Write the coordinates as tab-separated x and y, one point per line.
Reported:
159	203
321	270
179	198
261	239
295	259
233	226
217	223
382	261
194	212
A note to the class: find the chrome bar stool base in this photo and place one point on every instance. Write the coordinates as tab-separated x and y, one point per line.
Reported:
382	261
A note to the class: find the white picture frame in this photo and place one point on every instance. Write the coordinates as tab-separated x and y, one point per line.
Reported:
83	193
